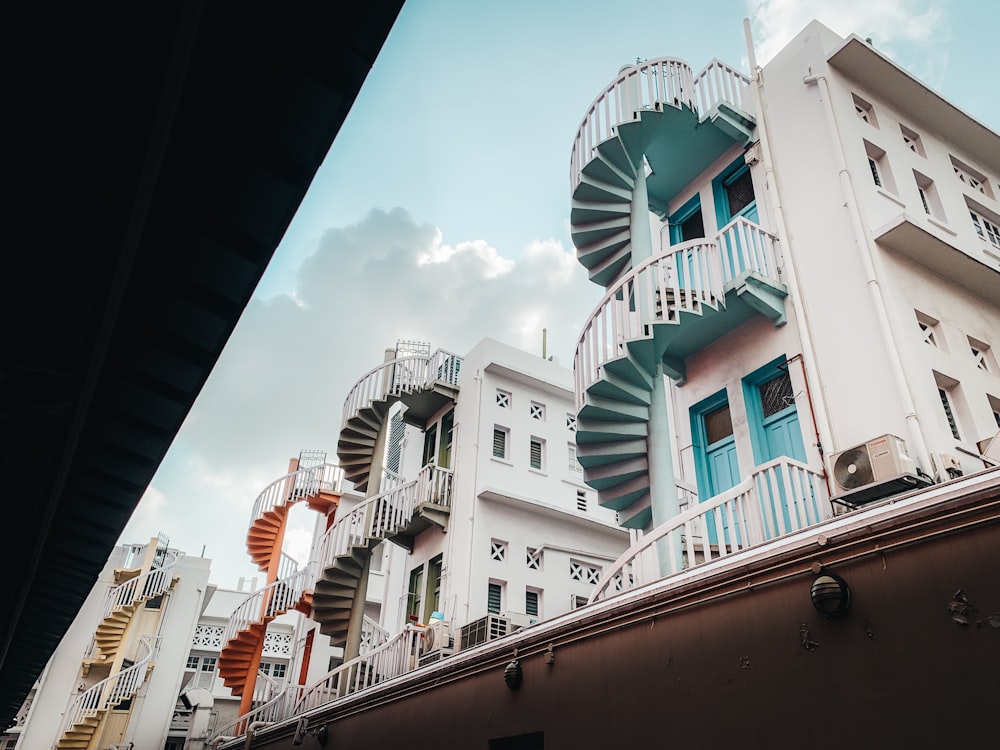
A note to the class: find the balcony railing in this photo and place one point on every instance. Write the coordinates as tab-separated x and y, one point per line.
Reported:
399	376
391	659
278	708
146	586
270	601
651	85
112	690
684	279
385	514
297	484
778	498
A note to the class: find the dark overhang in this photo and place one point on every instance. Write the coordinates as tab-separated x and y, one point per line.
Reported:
161	150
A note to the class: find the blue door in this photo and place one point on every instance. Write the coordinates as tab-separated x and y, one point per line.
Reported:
719	468
779	434
734	197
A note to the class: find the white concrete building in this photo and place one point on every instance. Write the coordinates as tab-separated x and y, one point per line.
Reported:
115	676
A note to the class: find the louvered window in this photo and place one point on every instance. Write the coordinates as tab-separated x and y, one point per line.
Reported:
494	598
581	501
536	454
949	415
500	442
531	603
574	464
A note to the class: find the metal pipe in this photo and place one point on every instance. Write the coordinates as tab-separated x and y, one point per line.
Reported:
254	726
869	264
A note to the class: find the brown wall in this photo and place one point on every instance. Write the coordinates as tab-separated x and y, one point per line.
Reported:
896	672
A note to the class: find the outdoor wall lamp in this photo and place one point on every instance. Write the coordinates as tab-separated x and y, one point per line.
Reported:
830	594
513	675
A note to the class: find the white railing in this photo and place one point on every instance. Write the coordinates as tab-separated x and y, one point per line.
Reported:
278	708
719	82
385	514
778	498
373	635
393	658
143	587
296	486
683	279
643	86
269	602
112	690
399	376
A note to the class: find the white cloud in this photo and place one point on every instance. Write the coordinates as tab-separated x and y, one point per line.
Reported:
280	384
888	22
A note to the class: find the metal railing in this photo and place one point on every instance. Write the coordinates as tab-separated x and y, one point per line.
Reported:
373	635
143	587
778	498
385	514
112	690
683	279
718	82
269	602
391	659
297	485
651	85
399	376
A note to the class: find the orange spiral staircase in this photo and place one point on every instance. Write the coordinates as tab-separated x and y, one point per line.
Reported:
287	587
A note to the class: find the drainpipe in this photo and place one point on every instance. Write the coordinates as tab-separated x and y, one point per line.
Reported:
254	726
810	367
869	263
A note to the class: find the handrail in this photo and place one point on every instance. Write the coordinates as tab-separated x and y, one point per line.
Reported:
391	659
384	514
150	584
373	635
778	498
718	82
667	81
297	485
112	690
399	376
683	278
276	709
269	602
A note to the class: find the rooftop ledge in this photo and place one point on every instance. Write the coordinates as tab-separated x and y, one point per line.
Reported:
935	249
875	71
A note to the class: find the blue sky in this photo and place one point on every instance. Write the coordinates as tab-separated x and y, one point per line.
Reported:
441	214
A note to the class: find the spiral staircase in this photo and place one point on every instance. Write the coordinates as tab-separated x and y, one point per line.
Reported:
401	510
289	588
654	130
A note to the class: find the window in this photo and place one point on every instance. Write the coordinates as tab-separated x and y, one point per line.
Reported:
575	602
864	110
973	178
878	165
503	399
982	355
995	408
531	598
434	568
494	598
537	411
987	230
776	394
498	550
571	422
415	595
580	571
430	445
928	196
574	464
948	413
500	435
447	436
208	663
534	559
929	330
912	140
537	453
739	192
274	669
581	501
192	662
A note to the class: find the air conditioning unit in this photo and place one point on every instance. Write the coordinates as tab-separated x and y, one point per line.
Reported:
518	620
437	636
434	656
946	466
482	630
873	470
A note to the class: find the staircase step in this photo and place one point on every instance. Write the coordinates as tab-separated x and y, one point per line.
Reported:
638	515
606	476
599	454
602	169
605	432
599	230
613	151
582	213
621	496
628	370
630	135
601	408
619	390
